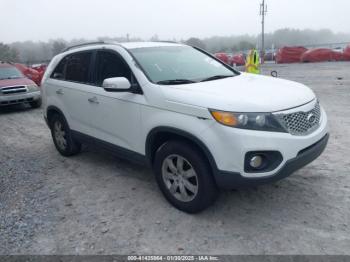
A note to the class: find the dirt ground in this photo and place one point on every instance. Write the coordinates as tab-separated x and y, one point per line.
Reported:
95	203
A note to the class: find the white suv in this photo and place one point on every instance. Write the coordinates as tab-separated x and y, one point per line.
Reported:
197	122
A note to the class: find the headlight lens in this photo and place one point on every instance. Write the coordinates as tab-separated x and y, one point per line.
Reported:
252	121
33	88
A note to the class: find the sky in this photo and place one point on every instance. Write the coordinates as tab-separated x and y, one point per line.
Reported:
41	20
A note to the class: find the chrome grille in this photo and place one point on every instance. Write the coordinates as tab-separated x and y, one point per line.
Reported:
301	123
13	90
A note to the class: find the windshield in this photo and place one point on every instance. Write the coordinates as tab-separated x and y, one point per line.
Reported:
10	73
179	64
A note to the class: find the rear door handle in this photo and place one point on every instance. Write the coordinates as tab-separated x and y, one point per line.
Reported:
93	100
59	92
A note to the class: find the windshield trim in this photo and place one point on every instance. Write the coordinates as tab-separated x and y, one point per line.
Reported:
236	73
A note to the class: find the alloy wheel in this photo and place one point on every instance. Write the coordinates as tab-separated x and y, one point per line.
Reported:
60	135
180	178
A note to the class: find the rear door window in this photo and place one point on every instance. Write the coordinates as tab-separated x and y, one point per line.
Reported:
77	68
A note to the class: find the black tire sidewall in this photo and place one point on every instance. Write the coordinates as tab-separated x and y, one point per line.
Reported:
207	190
72	146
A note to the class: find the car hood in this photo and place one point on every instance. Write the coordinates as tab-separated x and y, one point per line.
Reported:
243	93
16	82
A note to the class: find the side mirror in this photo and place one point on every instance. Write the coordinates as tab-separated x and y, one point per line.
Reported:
116	84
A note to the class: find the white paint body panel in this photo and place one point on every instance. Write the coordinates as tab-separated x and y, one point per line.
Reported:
125	119
243	93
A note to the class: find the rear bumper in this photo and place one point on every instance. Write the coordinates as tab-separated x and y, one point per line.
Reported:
19	98
230	180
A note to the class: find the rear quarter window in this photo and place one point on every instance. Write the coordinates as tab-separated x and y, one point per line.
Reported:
58	73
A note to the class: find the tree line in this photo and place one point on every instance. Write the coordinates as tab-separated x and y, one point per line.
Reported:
30	52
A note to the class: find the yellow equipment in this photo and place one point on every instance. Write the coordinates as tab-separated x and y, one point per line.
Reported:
253	62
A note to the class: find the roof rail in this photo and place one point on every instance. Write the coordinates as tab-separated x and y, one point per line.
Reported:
166	41
86	44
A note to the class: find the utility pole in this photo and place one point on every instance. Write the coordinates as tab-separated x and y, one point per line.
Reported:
263	12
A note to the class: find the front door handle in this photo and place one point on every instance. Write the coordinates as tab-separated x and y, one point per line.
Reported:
59	92
93	100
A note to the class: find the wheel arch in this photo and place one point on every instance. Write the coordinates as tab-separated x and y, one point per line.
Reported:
159	135
52	110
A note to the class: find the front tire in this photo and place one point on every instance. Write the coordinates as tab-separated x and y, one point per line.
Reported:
62	136
184	177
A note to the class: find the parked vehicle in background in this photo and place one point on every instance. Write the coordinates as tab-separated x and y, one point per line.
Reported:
200	124
15	88
269	56
224	58
346	53
238	60
322	55
290	54
40	68
29	72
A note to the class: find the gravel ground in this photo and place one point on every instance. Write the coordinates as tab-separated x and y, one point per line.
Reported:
95	203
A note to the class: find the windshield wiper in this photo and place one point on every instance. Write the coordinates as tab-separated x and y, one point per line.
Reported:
176	82
216	77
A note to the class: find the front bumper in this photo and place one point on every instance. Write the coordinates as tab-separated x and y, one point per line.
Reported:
229	146
19	98
231	180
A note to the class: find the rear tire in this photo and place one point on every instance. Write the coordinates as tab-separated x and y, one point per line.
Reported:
184	176
36	103
62	137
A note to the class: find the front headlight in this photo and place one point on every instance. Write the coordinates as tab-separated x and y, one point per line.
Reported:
32	88
252	121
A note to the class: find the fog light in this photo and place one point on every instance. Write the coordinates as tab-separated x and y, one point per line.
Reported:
256	161
262	161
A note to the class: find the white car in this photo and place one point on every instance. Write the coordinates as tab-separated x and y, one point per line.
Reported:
201	125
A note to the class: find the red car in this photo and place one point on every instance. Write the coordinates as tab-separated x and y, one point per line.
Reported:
322	55
224	58
41	68
29	72
15	88
347	53
239	60
289	54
